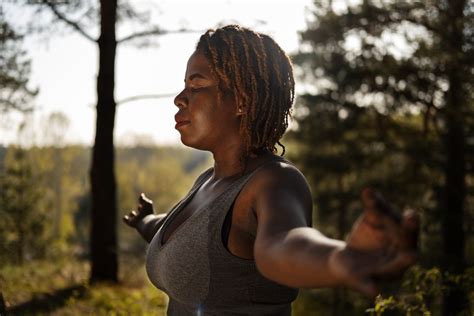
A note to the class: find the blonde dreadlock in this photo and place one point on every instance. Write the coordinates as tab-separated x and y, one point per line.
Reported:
257	72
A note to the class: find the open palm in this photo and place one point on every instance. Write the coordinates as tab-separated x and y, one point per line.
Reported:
381	243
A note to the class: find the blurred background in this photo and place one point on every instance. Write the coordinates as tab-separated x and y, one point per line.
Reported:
385	98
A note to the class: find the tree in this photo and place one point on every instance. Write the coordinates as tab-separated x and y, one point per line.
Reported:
55	160
103	15
23	224
56	125
14	70
15	94
410	63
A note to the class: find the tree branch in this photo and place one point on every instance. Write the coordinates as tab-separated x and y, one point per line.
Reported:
155	31
8	104
73	24
146	96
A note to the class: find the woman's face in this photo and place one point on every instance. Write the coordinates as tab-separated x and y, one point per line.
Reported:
201	121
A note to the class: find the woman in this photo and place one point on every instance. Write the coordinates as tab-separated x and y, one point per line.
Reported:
240	242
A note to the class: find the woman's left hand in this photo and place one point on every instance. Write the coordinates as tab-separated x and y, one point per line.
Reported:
382	243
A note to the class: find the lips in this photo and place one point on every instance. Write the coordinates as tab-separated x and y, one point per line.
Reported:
180	121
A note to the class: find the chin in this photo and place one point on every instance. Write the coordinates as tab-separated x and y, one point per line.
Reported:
193	143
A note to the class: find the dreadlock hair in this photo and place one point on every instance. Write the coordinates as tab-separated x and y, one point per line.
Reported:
259	75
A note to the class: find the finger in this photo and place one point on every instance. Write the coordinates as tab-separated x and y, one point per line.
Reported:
134	213
410	229
127	220
401	237
145	204
143	199
367	235
373	219
367	198
373	228
383	215
373	200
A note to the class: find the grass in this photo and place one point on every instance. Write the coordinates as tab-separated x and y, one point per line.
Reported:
61	288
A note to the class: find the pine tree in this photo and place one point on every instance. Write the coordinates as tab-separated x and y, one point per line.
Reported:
14	70
391	92
23	225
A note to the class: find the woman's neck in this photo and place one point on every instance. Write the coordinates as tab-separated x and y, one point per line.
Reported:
231	161
227	161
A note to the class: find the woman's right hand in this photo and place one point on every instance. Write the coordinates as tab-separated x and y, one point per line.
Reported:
144	208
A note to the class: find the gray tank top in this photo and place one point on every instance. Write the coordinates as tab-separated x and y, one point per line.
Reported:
199	274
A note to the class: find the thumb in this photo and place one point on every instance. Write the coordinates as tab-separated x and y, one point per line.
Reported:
144	199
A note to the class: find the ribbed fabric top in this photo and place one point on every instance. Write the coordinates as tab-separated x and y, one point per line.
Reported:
199	274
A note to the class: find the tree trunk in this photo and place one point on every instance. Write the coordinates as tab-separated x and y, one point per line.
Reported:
455	171
3	306
103	238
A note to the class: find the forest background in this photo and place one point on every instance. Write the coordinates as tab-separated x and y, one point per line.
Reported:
385	99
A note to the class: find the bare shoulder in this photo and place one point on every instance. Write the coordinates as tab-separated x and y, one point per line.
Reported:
279	189
279	174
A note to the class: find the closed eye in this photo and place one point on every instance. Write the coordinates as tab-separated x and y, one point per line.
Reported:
195	89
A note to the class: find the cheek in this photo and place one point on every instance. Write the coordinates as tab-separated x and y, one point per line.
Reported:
201	130
210	123
204	119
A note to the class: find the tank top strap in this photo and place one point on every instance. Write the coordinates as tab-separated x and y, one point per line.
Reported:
222	207
202	178
239	184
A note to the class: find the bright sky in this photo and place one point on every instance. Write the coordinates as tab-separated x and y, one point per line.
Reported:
65	67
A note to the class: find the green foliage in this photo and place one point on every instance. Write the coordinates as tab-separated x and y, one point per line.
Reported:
64	181
51	197
60	288
342	155
14	70
388	102
422	292
40	187
369	116
323	302
22	229
163	174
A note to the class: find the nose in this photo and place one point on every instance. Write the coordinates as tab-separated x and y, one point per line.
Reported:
181	100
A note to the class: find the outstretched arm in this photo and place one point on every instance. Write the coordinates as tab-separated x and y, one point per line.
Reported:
288	251
143	219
